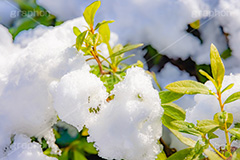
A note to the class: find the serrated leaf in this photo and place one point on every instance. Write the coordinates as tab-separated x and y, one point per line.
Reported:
168	96
188	87
102	23
217	67
228	87
207	125
236	155
90	12
174	111
80	40
233	97
185	127
235	132
222	117
126	49
76	31
188	141
182	154
202	72
212	155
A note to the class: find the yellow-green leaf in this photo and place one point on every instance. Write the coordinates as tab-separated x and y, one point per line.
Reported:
76	31
217	67
174	111
235	132
90	12
233	97
188	87
188	141
195	25
104	31
180	155
126	49
80	40
212	155
207	125
168	96
102	23
228	87
202	72
222	117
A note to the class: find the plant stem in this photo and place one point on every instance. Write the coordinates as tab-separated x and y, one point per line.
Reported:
220	154
225	123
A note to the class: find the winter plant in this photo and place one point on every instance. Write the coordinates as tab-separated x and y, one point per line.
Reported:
174	116
110	109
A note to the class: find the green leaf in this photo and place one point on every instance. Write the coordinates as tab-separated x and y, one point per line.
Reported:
188	141
212	155
202	72
102	23
64	155
188	87
78	156
180	155
207	125
211	135
76	31
161	156
233	97
168	96
174	111
104	31
217	66
236	155
80	39
222	117
235	132
126	49
226	54
90	12
123	59
228	87
185	127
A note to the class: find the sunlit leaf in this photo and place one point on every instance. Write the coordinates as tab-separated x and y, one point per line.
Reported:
174	111
80	40
90	12
207	125
233	97
168	96
188	87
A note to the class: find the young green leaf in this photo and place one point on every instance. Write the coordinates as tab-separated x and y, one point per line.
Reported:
235	132
202	72
228	87
236	155
188	87
182	154
195	25
168	96
212	155
104	31
211	135
207	125
90	12
126	49
188	141
174	111
217	66
78	155
222	117
80	39
233	97
185	127
161	156
103	22
76	31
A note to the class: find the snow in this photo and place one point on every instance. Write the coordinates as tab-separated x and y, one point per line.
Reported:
130	125
24	149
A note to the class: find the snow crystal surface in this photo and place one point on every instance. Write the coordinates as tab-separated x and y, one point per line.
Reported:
24	149
76	94
207	105
130	125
